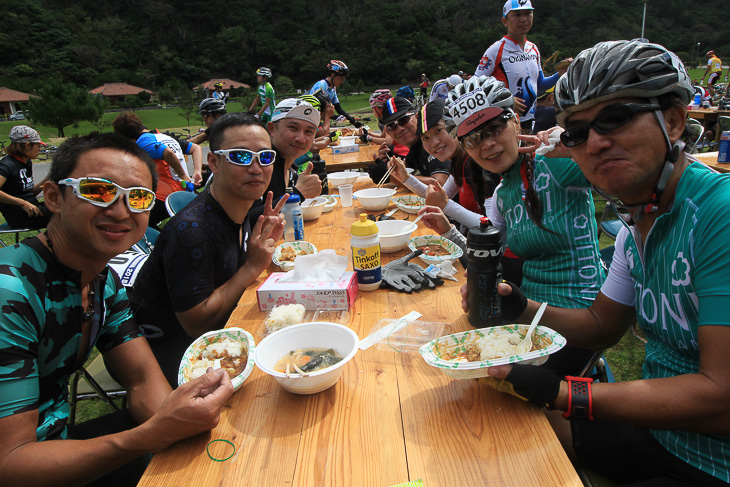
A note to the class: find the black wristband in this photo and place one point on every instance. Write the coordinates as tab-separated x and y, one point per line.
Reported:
580	398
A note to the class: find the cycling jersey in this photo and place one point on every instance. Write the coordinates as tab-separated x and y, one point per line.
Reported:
219	95
714	64
440	90
562	268
679	282
704	93
519	69
330	92
155	145
267	91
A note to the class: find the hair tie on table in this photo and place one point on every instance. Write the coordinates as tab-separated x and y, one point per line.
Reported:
207	449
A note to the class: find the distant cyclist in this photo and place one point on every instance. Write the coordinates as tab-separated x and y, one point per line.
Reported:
337	72
516	61
218	93
442	87
423	84
714	69
211	110
267	95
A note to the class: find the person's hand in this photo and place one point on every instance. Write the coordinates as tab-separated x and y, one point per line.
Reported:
329	110
434	219
271	211
562	66
30	209
436	196
399	168
197	178
543	139
261	243
309	184
192	408
520	106
531	143
538	385
408	277
186	178
382	152
513	301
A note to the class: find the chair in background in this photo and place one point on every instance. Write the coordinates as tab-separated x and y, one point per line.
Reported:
697	132
6	229
97	384
178	200
147	242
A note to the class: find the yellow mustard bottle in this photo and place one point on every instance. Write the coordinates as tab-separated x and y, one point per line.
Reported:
365	243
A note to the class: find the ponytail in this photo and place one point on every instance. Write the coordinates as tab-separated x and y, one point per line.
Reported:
532	201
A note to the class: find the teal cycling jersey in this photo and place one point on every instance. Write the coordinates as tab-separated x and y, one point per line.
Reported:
40	331
678	283
562	265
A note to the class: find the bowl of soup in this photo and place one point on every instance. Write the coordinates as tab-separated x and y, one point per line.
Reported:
307	358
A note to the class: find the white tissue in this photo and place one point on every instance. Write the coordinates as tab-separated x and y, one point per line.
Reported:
326	266
553	141
444	270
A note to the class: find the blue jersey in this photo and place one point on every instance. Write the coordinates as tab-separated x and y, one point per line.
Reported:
329	92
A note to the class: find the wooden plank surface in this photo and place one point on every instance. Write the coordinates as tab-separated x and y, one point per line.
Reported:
390	418
351	160
710	158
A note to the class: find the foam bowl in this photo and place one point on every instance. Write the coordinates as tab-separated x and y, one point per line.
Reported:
192	353
330	205
299	245
436	353
394	234
312	208
337	178
374	199
308	335
454	250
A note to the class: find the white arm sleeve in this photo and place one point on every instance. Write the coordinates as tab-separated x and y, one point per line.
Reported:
619	285
415	185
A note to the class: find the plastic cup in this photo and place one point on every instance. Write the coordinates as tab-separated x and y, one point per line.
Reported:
345	194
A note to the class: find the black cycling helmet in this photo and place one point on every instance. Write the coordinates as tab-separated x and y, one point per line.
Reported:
620	69
212	105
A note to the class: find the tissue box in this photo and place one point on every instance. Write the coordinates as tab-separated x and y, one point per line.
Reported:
345	148
313	295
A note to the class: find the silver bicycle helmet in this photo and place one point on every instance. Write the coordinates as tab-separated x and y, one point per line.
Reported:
211	105
263	71
619	69
476	101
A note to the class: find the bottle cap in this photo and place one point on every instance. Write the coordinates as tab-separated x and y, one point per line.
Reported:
364	227
293	198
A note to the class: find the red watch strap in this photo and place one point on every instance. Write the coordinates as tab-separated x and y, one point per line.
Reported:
580	398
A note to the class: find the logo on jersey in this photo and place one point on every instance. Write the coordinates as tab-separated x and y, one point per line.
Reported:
580	221
542	182
680	271
485	63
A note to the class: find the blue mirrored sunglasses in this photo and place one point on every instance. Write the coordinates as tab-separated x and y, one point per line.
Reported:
244	157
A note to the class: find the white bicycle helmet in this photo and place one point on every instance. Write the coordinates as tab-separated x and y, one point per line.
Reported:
263	71
454	80
211	105
620	69
475	102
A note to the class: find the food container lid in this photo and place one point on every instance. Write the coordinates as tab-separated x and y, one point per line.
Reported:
411	336
364	227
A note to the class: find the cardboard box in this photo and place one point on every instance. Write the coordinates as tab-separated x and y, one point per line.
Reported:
313	295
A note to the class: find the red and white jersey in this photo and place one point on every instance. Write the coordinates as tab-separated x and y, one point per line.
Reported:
519	69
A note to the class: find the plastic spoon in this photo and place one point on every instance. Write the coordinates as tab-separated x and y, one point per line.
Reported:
419	217
525	345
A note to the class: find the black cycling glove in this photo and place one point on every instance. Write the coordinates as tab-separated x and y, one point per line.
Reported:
514	304
538	385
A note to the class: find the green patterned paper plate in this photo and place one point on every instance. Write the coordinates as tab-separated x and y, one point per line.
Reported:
409	203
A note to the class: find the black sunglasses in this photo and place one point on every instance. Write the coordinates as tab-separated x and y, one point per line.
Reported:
491	129
401	122
606	121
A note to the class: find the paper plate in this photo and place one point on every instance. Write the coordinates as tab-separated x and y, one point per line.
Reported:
299	245
193	351
436	353
409	203
330	205
454	250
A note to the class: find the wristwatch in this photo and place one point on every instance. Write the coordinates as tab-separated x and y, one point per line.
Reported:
580	398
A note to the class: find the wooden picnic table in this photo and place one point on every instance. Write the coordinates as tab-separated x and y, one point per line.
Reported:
710	158
391	418
349	160
708	115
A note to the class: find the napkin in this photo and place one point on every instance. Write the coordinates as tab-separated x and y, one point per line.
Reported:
553	141
326	266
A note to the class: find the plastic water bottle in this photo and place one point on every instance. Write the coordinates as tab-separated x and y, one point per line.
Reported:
483	274
697	101
365	243
294	229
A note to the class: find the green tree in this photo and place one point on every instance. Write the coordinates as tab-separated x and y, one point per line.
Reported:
62	104
132	102
187	106
144	96
283	86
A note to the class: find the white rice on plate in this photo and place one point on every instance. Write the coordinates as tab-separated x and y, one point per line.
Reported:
495	346
214	351
283	316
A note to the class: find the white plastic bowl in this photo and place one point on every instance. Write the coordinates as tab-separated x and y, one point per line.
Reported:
312	208
308	335
374	199
394	234
286	265
235	334
454	250
337	178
